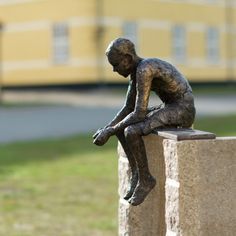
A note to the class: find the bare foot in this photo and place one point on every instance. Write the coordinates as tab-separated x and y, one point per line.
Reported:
141	191
133	184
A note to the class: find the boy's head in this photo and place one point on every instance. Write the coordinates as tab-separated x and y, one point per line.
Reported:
121	54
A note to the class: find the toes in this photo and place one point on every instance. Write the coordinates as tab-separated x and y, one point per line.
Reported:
141	193
128	195
136	201
133	185
130	191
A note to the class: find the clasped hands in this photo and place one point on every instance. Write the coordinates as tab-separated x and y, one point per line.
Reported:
102	135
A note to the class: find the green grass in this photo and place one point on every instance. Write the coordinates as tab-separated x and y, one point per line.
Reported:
58	187
213	89
67	187
220	125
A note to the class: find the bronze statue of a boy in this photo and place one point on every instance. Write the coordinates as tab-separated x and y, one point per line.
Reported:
135	119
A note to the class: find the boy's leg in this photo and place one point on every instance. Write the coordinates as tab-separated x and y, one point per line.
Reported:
132	163
171	115
146	181
133	135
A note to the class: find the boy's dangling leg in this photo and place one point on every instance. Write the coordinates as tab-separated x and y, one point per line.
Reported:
146	181
132	163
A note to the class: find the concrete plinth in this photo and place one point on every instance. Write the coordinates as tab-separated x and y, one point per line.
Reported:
195	191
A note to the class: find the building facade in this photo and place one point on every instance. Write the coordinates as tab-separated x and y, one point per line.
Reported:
50	42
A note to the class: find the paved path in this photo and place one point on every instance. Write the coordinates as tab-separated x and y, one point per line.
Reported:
50	121
73	113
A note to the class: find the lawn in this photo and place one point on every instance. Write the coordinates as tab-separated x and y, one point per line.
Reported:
220	125
67	187
58	187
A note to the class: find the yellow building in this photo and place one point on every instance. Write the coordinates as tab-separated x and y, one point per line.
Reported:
63	41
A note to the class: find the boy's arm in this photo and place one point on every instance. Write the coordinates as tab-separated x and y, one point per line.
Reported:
128	106
143	87
125	110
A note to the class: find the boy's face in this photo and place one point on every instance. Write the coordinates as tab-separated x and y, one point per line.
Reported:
121	64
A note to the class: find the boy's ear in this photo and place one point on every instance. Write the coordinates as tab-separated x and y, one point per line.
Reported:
127	59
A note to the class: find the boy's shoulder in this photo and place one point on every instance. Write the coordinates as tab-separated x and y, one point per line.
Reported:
154	63
147	65
151	62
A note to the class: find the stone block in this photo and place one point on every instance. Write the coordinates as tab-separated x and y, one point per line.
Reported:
195	191
149	217
200	187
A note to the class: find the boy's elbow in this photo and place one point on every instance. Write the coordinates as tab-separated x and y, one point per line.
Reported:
140	116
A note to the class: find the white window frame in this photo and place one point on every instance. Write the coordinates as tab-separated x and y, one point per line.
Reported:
179	43
213	45
60	43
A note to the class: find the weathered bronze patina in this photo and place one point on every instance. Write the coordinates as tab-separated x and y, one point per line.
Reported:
135	119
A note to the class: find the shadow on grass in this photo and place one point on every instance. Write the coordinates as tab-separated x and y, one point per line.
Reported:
23	153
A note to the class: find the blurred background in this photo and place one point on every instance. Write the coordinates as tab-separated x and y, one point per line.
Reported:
56	89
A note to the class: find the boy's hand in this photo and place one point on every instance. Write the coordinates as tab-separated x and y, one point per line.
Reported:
104	134
97	132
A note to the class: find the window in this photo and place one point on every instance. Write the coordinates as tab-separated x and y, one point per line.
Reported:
179	43
60	43
130	31
212	44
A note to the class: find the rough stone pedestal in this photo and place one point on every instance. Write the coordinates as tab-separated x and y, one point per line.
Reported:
201	187
147	219
195	192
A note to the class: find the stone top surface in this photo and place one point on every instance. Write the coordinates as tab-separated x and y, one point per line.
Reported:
179	134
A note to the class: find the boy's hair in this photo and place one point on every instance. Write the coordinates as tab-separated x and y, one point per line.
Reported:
121	46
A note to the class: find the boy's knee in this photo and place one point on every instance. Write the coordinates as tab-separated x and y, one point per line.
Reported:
120	134
131	131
